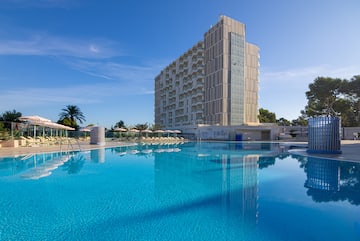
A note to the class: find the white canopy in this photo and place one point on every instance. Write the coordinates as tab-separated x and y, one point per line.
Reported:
35	118
41	121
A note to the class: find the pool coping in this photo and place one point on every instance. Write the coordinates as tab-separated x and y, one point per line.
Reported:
350	149
80	146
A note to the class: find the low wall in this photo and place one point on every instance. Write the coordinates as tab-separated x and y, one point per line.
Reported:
10	143
348	133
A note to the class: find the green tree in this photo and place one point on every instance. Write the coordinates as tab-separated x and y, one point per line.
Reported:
329	96
348	117
322	96
70	115
120	124
68	122
301	120
354	86
142	127
283	122
10	116
352	91
266	116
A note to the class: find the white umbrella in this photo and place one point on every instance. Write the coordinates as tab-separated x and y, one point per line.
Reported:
134	131
176	132
120	129
169	131
85	129
146	131
158	131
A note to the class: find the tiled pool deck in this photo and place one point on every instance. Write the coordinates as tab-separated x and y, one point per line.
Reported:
11	151
350	149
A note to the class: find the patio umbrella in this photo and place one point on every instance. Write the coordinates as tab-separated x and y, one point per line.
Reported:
134	130
147	132
168	132
85	130
159	132
120	129
176	132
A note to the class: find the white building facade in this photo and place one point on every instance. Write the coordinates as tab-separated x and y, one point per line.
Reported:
213	83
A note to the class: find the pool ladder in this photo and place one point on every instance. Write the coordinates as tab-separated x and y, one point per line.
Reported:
70	145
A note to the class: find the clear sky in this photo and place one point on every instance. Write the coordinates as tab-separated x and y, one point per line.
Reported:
102	56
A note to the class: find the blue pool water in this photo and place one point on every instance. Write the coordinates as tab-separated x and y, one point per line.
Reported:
194	191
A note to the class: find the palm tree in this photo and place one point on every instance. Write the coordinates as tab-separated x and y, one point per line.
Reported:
70	114
142	127
120	124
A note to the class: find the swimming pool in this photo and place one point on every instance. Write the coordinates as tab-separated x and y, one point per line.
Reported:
194	191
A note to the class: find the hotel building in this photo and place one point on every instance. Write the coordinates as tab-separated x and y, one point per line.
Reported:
215	82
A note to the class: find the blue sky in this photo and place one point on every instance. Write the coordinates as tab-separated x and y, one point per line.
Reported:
103	55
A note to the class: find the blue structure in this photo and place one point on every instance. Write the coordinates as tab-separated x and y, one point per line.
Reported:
238	137
322	174
324	135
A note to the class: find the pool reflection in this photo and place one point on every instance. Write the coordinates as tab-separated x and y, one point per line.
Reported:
98	155
330	180
75	164
227	183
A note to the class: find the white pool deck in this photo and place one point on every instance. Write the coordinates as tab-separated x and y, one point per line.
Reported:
350	149
81	145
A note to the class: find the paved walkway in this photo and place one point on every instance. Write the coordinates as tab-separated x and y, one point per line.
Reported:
350	152
350	149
